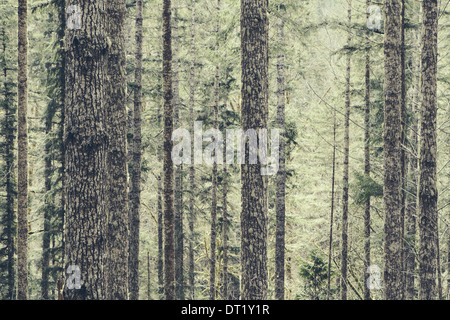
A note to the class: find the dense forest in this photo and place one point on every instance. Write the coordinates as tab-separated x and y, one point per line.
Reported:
225	150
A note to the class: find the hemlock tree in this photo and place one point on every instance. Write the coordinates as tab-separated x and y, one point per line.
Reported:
22	155
392	155
255	58
428	193
86	140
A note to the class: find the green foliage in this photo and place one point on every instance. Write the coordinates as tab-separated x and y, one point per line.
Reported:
314	274
365	188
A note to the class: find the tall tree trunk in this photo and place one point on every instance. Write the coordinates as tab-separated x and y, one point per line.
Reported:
403	155
118	237
169	246
392	150
212	271
281	174
179	235
192	168
428	194
86	140
225	220
135	191
333	183
160	235
367	163
22	156
49	208
344	254
255	59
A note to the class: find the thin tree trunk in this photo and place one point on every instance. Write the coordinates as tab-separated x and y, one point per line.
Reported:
428	194
344	254
86	139
281	174
192	168
367	165
169	246
160	237
392	150
333	181
225	220
135	190
403	156
254	47
118	236
49	206
22	156
179	235
212	271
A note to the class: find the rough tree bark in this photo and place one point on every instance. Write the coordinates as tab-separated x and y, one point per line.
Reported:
392	135
428	193
367	163
86	140
169	246
254	48
118	214
22	154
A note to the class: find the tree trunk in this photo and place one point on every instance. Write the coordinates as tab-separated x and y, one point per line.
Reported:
192	168
22	155
344	256
392	150
212	270
281	174
86	140
333	183
403	156
225	221
428	194
118	237
49	209
169	246
367	164
135	191
179	235
255	58
160	237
